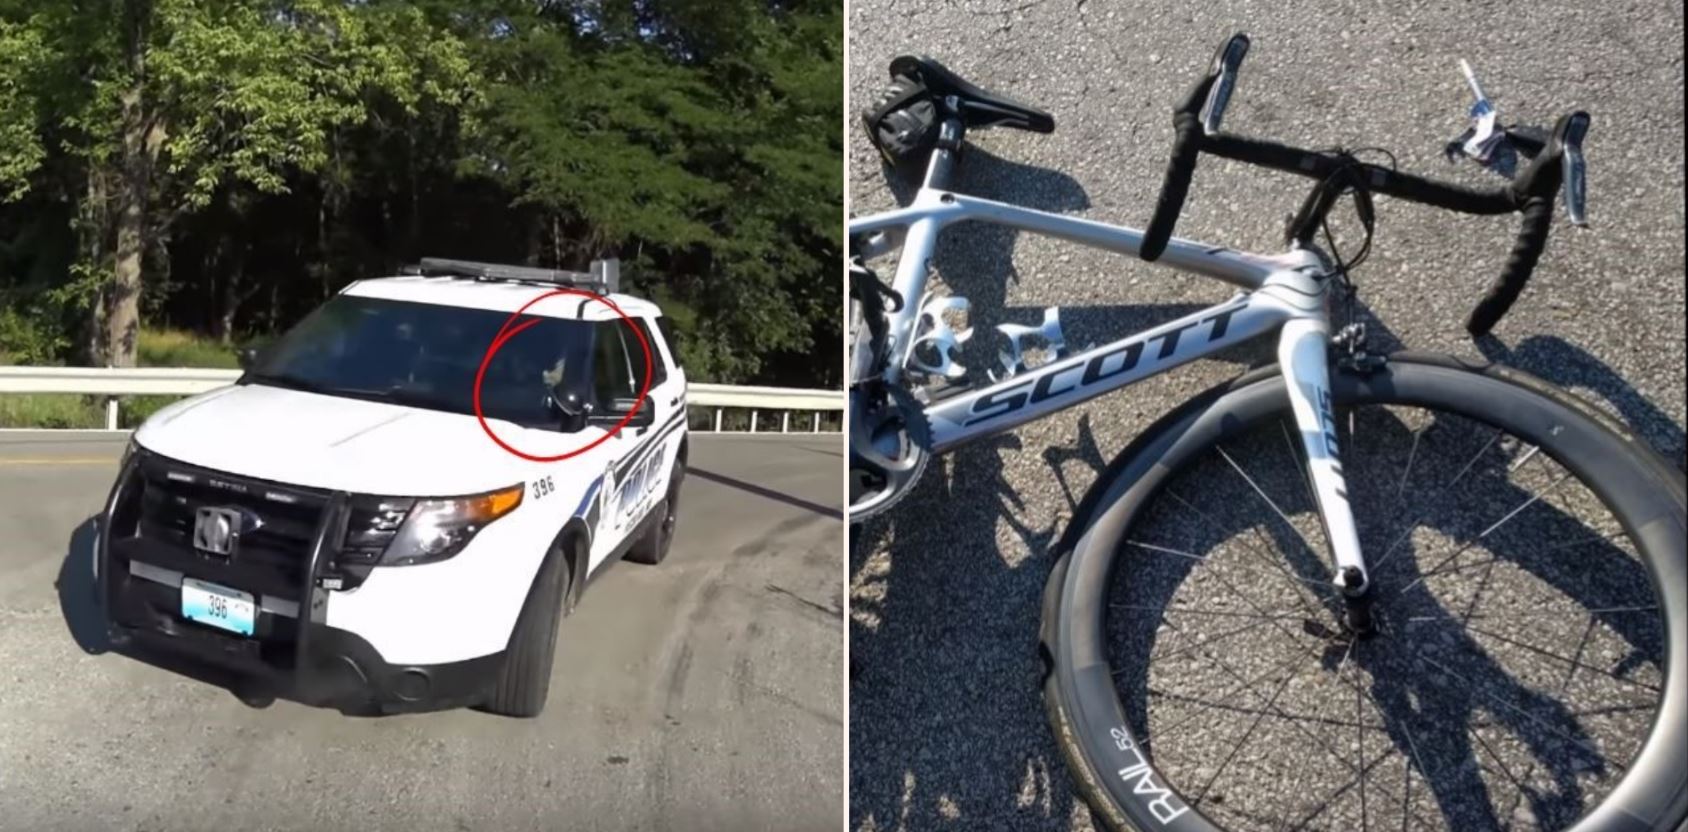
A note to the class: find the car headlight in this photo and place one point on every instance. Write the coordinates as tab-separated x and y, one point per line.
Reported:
436	529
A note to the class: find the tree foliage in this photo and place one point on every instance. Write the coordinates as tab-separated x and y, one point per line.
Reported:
236	161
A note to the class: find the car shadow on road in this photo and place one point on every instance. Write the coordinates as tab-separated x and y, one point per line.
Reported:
768	493
79	599
84	616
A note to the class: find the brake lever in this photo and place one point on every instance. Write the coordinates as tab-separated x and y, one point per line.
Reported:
1575	169
1224	72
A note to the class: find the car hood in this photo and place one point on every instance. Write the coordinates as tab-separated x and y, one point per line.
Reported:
347	444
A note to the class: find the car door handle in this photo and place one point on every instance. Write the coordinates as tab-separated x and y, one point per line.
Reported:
674	402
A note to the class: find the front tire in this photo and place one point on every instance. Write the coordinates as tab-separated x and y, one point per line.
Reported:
525	681
1099	697
652	547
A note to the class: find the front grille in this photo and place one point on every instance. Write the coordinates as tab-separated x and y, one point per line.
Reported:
270	559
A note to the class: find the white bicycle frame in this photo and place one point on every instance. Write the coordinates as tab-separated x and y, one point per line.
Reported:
1286	292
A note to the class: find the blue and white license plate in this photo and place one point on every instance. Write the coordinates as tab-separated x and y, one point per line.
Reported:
219	606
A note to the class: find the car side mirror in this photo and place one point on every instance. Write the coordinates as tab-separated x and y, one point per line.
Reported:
575	411
611	416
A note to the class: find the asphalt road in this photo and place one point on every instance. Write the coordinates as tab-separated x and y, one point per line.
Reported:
701	694
947	726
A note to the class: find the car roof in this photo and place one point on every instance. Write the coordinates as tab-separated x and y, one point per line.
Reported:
499	296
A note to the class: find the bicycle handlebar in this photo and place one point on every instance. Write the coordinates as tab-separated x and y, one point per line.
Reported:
1531	193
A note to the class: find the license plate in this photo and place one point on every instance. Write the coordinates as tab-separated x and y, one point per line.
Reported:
218	606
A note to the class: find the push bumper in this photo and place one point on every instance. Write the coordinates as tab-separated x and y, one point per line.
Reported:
297	657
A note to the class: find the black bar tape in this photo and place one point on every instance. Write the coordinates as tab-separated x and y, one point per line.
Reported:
1179	170
1406	186
1532	239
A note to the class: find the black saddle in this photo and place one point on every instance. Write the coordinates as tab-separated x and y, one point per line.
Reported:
976	107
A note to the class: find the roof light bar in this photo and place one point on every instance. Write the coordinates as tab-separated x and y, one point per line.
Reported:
605	276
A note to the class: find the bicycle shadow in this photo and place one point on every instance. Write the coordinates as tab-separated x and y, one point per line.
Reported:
945	684
1576	369
946	721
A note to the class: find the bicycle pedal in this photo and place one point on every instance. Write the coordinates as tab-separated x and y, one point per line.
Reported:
1014	357
938	339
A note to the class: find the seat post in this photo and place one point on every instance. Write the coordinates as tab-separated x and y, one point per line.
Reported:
941	168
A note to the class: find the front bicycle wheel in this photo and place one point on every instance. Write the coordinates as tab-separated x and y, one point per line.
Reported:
1527	566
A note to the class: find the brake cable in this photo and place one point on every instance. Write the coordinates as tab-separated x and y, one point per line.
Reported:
1352	182
871	293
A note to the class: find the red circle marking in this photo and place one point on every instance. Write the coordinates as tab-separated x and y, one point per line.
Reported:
505	333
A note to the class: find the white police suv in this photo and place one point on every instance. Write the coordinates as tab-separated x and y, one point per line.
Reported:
337	528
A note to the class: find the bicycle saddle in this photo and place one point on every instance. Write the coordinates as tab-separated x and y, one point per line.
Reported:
977	107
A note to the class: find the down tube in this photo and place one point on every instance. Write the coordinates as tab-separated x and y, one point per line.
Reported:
1061	384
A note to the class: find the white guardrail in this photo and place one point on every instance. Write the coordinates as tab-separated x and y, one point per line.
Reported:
112	382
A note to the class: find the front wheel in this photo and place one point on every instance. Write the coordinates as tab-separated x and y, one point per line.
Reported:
524	682
1527	669
652	547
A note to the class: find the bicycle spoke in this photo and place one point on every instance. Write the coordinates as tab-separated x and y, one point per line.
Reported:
1295	580
1574	663
1209	704
1412	453
1204	558
1604	538
1250	627
1519	613
1389	552
1486	532
1256	486
1338	793
1494	659
1243	741
1323	746
1407	774
1360	753
1520	711
1197	611
1225	695
1500	762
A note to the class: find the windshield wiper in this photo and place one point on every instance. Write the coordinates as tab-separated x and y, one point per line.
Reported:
290	382
401	395
398	394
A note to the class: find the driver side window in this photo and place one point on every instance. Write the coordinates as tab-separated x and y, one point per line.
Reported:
612	372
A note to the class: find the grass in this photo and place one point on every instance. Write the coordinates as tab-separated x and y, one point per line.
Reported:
157	348
176	348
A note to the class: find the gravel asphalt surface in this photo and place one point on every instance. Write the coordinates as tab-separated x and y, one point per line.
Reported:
947	725
699	695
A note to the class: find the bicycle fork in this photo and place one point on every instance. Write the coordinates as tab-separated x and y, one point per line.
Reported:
1304	359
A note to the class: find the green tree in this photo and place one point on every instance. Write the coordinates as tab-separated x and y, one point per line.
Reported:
221	166
185	96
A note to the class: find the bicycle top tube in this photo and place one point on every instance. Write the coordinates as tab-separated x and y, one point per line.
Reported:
932	210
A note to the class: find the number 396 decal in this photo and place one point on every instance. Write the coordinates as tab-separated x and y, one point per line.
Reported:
543	487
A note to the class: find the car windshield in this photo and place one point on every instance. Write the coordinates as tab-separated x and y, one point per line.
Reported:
425	355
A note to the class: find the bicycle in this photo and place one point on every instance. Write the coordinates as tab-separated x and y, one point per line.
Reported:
1141	634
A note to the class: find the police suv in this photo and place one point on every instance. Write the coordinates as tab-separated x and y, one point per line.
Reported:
337	527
